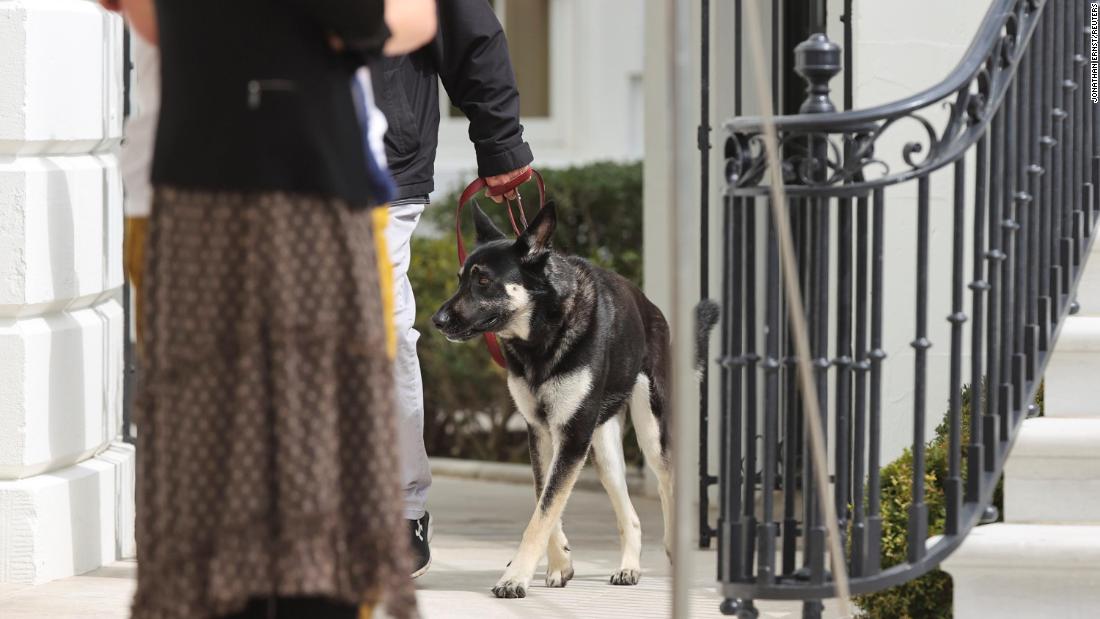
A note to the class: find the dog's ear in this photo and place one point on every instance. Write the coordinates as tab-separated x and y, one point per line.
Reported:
538	236
485	228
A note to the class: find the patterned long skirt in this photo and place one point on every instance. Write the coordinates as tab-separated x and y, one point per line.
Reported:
267	462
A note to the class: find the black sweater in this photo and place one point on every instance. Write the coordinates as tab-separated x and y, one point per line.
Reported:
254	99
470	56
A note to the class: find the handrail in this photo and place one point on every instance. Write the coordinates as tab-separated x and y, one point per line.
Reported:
981	46
1019	213
978	85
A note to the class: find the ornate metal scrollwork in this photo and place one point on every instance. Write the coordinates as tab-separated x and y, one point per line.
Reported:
845	152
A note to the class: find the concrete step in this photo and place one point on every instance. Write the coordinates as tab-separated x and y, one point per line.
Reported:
1088	289
1073	371
1053	472
1027	571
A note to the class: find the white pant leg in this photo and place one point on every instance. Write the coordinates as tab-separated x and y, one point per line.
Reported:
409	391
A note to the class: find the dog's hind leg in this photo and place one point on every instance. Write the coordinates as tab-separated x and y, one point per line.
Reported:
646	409
607	447
559	569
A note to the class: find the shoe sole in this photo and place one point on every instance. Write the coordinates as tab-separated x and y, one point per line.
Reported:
424	570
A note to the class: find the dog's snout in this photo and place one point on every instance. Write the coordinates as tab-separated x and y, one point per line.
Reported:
441	318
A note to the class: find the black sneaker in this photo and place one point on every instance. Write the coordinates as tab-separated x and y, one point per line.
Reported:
421	534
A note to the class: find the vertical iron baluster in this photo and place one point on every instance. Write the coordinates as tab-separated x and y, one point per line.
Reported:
1077	77
974	463
1021	357
776	64
918	510
703	142
792	419
849	56
725	388
809	282
731	527
861	366
819	319
1008	225
726	485
749	360
1046	201
1057	115
767	529
1067	250
878	355
738	58
991	433
1035	183
843	360
953	484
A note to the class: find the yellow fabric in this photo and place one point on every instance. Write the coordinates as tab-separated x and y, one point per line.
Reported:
381	218
133	256
366	612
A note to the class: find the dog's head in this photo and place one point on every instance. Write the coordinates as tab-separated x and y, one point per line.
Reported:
495	283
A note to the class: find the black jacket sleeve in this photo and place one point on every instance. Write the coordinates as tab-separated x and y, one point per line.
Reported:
473	63
360	24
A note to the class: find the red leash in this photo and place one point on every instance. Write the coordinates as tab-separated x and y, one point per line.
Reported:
467	194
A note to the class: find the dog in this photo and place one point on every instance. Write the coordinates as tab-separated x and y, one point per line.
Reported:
583	347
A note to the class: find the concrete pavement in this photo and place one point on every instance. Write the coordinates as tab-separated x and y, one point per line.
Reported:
477	526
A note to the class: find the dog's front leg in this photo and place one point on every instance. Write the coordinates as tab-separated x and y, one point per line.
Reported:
565	464
559	569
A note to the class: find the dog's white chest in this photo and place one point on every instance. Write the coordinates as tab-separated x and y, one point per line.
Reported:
558	398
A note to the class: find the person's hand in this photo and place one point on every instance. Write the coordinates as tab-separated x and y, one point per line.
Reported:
502	179
141	14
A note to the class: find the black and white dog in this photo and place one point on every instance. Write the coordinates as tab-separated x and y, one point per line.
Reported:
583	346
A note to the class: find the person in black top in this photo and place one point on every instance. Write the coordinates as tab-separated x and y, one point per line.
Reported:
267	473
469	55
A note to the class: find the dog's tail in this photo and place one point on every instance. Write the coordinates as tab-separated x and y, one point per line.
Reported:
707	313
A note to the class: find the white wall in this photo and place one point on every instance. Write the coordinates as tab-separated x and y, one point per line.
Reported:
66	484
596	94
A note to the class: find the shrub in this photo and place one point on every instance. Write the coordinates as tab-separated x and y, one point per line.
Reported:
927	597
466	403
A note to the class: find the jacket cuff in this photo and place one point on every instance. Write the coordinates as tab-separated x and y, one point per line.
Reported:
492	164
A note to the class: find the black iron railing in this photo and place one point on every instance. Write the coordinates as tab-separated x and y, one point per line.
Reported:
789	19
978	197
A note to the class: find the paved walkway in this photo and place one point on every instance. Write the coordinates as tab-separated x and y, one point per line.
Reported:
477	526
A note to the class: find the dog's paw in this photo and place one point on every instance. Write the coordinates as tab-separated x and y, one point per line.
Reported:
510	589
626	577
559	578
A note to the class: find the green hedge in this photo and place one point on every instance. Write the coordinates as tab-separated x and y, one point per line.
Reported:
927	597
466	401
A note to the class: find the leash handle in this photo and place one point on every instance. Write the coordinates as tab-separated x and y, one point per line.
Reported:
468	194
478	185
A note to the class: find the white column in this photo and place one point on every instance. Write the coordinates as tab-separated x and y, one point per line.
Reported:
66	479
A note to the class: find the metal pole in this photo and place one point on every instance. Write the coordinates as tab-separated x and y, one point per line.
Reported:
703	139
681	237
